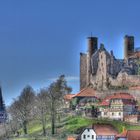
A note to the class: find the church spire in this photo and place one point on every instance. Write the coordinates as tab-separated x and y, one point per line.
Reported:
1	100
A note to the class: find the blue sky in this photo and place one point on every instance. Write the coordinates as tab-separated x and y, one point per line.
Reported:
41	39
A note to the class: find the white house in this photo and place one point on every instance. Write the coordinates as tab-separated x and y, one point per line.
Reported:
98	132
88	134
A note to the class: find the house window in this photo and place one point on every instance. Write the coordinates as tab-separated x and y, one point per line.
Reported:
119	113
88	129
88	136
84	136
92	136
112	114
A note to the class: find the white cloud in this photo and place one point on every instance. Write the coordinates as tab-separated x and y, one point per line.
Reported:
68	78
72	78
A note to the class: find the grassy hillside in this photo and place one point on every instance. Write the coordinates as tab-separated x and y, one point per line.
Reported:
71	126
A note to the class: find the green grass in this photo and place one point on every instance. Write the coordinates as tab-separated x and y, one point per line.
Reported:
34	127
76	124
73	125
21	139
30	139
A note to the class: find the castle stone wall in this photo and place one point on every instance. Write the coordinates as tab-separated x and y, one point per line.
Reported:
105	93
83	70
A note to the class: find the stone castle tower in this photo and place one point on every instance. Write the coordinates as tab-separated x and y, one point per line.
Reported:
92	48
128	46
85	61
101	70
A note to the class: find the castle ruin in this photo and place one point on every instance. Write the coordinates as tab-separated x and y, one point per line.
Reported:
101	70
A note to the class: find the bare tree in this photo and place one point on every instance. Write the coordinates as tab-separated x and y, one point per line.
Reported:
56	91
21	109
42	108
12	121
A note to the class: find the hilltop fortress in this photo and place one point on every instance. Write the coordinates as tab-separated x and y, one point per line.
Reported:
100	69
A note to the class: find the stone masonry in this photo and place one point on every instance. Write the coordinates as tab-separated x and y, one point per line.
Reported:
102	71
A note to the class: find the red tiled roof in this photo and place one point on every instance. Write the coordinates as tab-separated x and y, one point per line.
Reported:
69	96
102	129
136	55
106	101
133	134
130	135
71	138
132	116
135	88
86	92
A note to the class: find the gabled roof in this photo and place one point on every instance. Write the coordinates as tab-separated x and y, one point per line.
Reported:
86	92
106	101
71	138
104	130
133	134
69	96
130	134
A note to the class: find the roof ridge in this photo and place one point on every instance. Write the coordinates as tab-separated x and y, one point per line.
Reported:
81	90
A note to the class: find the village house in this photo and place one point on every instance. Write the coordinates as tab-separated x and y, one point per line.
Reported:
106	132
132	118
98	132
117	106
87	102
86	97
67	100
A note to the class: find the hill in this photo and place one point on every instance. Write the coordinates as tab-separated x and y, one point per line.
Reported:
69	125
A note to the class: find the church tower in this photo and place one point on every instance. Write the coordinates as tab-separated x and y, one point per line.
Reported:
3	115
1	101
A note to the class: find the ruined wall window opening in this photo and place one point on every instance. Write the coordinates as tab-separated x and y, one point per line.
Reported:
101	56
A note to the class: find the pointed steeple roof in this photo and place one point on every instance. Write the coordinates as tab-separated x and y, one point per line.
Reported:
1	100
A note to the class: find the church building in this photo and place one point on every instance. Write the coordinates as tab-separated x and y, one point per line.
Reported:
3	115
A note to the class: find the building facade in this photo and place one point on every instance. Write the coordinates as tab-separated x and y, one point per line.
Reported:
118	106
98	132
88	134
